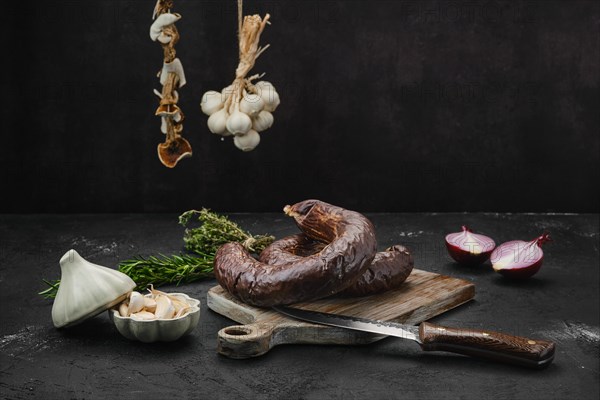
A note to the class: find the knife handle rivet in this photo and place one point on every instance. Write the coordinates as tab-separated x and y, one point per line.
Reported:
531	341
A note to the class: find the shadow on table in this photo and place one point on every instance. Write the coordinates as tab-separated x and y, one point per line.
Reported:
529	283
444	361
100	333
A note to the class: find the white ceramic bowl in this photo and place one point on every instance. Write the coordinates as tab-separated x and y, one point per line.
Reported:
159	330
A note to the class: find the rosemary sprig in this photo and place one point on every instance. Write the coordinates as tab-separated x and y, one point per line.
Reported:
50	292
214	231
161	270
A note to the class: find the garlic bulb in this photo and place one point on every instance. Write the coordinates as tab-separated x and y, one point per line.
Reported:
271	98
217	123
252	104
239	123
263	121
86	290
248	141
264	85
211	102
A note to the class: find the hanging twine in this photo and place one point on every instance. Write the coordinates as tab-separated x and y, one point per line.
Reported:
250	28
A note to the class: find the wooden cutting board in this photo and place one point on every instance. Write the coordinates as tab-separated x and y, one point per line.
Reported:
423	296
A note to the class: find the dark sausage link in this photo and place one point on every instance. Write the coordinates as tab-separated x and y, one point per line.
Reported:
352	247
388	271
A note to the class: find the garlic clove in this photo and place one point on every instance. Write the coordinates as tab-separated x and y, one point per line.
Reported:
177	301
239	123
123	309
143	316
86	290
136	302
263	121
178	304
217	122
252	104
247	142
164	307
160	330
211	102
182	311
149	304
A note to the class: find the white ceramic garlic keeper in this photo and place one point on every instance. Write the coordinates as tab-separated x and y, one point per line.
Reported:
86	290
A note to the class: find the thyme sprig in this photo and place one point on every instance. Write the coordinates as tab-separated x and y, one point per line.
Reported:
215	230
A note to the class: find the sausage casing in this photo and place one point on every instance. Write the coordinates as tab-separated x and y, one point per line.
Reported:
388	271
351	249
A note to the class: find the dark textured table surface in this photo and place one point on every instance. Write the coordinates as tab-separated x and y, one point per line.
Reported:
92	360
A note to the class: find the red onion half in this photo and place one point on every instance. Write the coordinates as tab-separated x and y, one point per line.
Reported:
519	259
469	248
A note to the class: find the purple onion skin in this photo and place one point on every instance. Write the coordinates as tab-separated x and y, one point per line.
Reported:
465	257
524	270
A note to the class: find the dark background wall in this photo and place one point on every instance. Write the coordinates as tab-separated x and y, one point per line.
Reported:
386	106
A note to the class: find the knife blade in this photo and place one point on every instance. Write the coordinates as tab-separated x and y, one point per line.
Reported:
533	353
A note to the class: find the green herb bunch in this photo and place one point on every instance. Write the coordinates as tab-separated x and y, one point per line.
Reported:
214	231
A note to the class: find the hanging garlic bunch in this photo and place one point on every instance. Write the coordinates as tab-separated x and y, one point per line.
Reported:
243	109
172	77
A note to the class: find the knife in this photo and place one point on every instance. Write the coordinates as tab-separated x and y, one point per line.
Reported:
476	343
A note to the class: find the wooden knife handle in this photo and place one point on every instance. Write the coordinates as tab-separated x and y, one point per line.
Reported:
495	346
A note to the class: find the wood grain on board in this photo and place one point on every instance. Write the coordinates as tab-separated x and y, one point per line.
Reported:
423	296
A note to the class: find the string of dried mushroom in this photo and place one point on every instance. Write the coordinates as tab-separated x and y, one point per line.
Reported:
172	78
243	109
